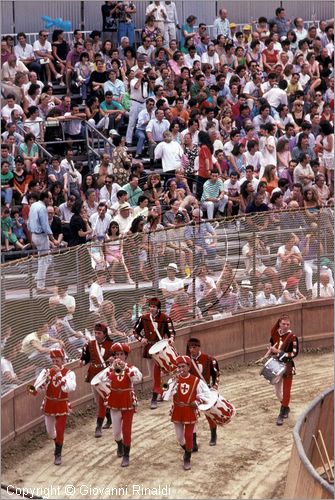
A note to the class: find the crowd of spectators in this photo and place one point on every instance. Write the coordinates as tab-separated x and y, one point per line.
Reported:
225	122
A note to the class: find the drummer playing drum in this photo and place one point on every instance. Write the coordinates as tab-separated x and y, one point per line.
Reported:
206	367
285	347
156	326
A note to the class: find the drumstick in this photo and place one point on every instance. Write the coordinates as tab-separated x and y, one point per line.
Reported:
326	453
323	463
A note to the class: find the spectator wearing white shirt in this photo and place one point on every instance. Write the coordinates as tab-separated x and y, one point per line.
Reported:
65	209
72	178
96	295
277	95
6	111
32	79
211	57
253	157
158	11
299	30
155	130
191	57
172	22
25	53
326	289
139	93
170	152
266	298
109	190
100	222
124	218
43	53
263	118
171	286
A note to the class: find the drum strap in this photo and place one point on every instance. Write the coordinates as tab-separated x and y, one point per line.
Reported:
56	399
198	371
191	405
155	327
99	354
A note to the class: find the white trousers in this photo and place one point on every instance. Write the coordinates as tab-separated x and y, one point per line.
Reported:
50	426
102	124
179	430
135	108
169	33
41	242
210	206
117	424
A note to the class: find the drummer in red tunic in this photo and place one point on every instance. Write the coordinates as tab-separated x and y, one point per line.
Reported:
188	391
122	399
97	353
206	366
59	381
284	346
156	326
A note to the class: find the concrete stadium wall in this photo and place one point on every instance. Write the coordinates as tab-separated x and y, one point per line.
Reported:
239	338
302	480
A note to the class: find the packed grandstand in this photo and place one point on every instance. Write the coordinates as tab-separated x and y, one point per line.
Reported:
193	163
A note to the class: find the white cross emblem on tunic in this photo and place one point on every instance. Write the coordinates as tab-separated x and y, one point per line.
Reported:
184	388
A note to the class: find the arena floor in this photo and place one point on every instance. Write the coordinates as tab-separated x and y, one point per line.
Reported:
249	462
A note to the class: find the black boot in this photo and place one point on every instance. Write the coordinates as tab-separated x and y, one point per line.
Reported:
213	437
286	411
187	460
98	429
153	404
125	459
108	424
280	418
58	454
120	450
195	444
183	446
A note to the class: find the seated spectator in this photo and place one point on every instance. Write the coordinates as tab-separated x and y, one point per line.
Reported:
245	295
34	344
183	310
325	289
288	256
154	189
228	300
65	209
91	203
107	315
232	189
124	218
200	236
265	298
133	190
19	227
213	196
113	250
29	151
7	184
291	293
125	324
7	230
62	297
171	286
80	229
204	286
136	247
142	207
72	340
100	222
113	112
109	190
9	379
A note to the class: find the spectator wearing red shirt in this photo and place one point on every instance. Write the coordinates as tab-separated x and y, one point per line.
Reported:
205	161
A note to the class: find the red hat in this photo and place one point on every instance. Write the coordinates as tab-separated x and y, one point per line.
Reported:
155	302
183	359
118	347
101	327
194	342
57	353
292	281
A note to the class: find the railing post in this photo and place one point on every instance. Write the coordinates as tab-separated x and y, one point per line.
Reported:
318	255
254	264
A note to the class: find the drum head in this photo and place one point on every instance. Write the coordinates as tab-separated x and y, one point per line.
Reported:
211	402
158	347
100	377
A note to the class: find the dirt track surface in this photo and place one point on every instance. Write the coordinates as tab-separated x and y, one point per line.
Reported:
250	459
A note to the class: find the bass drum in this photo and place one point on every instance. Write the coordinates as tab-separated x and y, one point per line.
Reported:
165	355
101	383
218	409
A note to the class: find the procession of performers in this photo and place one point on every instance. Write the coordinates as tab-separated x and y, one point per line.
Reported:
194	383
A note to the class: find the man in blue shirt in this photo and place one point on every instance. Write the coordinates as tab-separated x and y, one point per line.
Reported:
283	25
41	232
113	111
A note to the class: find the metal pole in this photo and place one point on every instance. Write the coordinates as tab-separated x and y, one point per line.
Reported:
254	265
318	255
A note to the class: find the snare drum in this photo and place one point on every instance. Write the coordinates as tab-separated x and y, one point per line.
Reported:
165	355
218	409
273	370
101	383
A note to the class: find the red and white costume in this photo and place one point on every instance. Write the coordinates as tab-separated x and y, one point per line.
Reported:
188	392
97	355
56	406
122	401
154	328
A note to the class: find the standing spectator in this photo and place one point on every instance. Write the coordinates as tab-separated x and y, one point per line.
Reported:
221	25
283	25
171	22
157	9
205	161
40	230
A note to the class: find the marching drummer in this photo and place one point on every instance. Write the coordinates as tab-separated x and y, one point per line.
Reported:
156	326
285	347
97	353
188	392
122	400
57	382
205	367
